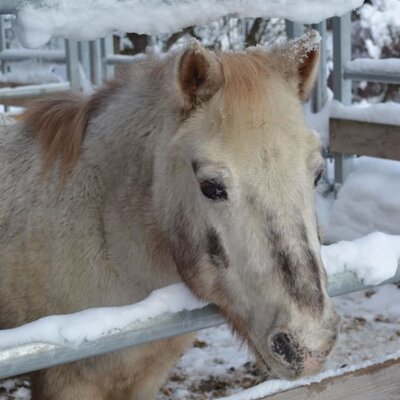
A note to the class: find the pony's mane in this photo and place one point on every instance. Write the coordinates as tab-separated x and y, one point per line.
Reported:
59	123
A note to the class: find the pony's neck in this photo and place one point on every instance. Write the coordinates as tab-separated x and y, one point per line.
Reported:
129	135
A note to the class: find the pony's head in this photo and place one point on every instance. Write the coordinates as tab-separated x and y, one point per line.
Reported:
234	195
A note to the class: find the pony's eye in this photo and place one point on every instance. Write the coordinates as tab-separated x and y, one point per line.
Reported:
318	176
213	190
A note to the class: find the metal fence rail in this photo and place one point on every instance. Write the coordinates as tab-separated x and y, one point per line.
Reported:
373	70
15	55
27	91
8	6
34	356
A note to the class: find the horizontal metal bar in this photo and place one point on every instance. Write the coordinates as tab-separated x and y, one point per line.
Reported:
34	356
123	59
373	70
8	6
33	90
15	55
372	77
348	282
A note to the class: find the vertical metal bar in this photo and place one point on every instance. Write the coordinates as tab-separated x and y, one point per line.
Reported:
3	46
319	94
293	29
341	86
95	62
107	48
341	55
84	58
73	73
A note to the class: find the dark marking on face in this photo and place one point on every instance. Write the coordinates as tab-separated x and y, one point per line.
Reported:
216	250
284	346
186	253
189	252
195	166
300	272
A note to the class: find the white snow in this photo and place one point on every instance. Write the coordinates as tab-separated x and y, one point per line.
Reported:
36	23
382	19
30	72
368	201
384	113
92	323
274	386
373	258
386	65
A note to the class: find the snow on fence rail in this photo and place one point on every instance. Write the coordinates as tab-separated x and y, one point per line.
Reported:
383	70
15	55
172	311
39	20
27	91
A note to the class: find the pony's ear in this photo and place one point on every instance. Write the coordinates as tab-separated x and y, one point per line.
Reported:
199	76
301	59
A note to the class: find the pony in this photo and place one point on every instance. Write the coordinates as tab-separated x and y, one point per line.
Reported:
198	167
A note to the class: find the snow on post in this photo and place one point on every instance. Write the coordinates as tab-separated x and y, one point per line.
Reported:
38	21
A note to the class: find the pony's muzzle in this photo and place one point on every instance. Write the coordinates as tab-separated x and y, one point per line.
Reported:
295	360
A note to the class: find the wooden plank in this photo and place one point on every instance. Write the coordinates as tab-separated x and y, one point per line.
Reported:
377	382
364	138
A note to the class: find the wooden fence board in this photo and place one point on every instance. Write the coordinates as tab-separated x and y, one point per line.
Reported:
364	138
377	382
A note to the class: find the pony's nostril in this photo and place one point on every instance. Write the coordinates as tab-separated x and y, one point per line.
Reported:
283	346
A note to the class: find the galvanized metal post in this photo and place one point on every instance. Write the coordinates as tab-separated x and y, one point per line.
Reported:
3	47
319	95
84	58
341	86
73	66
341	55
95	62
293	29
107	48
8	6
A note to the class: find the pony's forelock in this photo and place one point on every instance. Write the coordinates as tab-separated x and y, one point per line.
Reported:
242	98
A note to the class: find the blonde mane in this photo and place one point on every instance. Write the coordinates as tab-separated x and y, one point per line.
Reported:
59	123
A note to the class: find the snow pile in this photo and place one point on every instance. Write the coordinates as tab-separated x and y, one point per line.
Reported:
383	113
368	201
373	258
37	22
96	322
